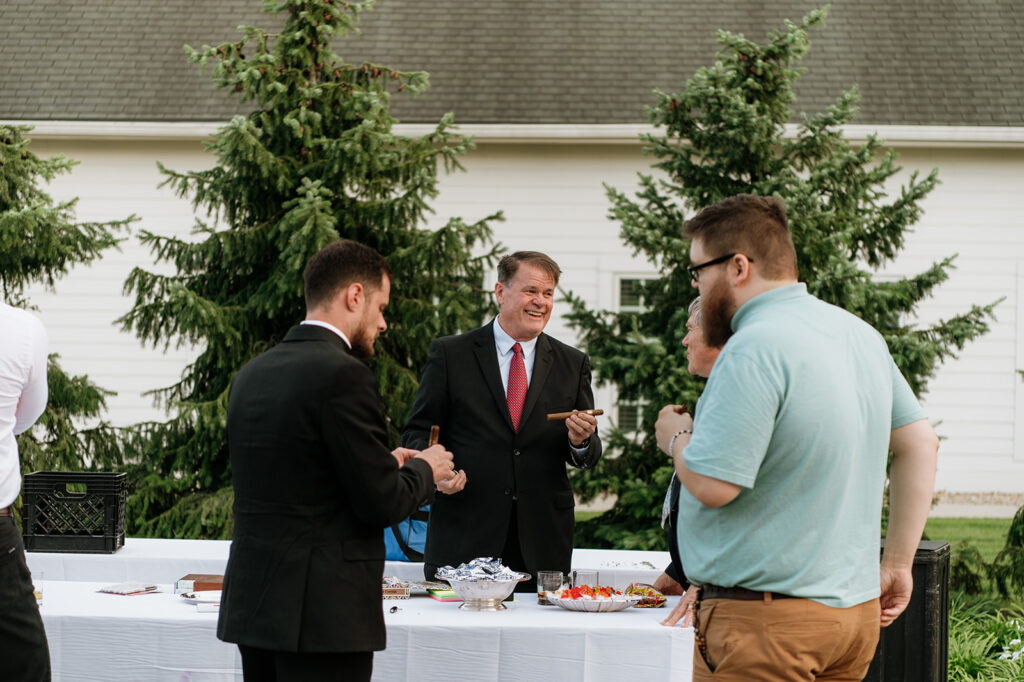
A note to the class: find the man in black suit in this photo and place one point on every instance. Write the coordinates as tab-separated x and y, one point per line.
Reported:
490	391
315	483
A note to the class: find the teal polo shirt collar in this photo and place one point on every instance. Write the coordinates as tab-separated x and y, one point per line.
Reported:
788	292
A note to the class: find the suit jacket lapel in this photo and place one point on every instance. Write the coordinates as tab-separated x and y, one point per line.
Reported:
487	358
542	360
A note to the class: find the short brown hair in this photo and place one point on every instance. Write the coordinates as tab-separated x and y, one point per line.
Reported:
338	265
752	225
508	266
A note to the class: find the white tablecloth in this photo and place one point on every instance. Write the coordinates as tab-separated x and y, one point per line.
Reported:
164	561
141	559
429	640
148	637
161	637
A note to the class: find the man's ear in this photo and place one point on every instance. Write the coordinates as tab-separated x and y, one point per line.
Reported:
354	295
740	266
499	291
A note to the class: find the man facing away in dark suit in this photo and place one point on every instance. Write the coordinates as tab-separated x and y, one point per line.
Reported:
315	483
490	391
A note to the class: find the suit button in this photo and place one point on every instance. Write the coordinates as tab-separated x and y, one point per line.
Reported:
515	452
507	491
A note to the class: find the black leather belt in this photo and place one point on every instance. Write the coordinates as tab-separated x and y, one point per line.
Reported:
741	593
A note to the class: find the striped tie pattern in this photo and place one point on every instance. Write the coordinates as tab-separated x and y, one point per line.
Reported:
516	390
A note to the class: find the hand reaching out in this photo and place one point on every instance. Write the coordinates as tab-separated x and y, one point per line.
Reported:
683	609
452	485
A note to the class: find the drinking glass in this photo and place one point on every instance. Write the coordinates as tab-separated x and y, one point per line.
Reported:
548	581
584	576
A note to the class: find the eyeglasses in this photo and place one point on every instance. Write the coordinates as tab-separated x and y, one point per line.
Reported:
694	270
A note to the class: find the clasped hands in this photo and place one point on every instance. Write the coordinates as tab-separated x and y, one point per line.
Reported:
441	461
442	465
671	420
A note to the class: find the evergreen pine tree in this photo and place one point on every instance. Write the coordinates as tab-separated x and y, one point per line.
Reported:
40	241
725	135
315	160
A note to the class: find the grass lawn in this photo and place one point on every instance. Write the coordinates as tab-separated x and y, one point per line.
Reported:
585	515
988	535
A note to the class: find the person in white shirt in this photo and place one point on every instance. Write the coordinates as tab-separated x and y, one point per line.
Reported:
23	393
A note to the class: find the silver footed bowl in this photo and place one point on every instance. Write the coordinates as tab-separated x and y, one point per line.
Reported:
485	595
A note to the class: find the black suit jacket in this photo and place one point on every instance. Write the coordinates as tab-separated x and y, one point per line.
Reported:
461	391
314	485
675	569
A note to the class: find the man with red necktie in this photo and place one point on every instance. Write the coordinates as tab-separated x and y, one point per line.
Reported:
490	391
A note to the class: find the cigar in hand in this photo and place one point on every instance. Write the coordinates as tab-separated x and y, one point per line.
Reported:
435	435
556	416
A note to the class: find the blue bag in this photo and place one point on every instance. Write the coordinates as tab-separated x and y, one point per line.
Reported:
405	540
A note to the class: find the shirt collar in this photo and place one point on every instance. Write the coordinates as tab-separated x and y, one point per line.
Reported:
503	342
768	298
328	325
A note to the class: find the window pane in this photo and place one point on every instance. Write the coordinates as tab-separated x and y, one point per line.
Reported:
629	417
629	293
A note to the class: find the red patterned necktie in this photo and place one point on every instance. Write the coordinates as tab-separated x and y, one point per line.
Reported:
516	393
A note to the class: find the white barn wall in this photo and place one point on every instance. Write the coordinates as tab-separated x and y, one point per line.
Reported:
113	181
977	399
554	201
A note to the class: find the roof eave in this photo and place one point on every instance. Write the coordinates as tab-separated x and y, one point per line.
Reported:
554	133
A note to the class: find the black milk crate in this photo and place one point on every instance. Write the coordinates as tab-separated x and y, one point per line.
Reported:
915	647
57	519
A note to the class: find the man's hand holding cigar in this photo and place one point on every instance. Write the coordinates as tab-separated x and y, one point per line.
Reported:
581	426
449	482
440	460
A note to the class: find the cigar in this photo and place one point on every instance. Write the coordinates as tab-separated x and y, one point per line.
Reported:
435	434
555	416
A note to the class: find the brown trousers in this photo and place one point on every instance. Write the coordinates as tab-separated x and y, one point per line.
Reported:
788	640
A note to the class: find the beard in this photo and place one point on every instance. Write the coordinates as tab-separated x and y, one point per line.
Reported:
362	340
718	306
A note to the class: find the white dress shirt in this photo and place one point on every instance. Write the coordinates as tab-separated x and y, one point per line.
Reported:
328	325
503	344
23	391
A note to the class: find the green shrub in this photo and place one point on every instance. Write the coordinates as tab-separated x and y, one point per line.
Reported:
985	639
968	571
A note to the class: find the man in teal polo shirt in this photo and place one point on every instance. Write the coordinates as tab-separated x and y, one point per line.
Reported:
784	467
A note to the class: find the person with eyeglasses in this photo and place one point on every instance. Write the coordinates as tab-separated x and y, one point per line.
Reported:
783	464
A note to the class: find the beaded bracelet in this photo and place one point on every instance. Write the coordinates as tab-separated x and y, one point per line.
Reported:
672	440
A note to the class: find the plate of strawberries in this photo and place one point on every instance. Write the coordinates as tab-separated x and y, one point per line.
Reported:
599	598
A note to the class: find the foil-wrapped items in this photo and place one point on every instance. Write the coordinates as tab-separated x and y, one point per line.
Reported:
480	569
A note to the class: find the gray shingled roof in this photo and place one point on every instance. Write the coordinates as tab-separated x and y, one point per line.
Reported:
929	62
